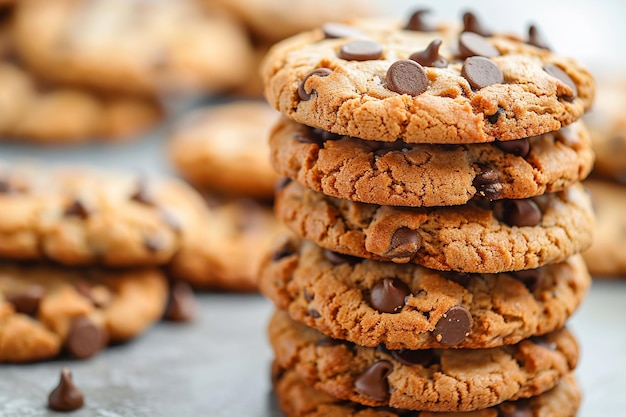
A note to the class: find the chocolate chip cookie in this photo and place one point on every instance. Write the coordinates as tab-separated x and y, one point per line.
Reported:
432	379
381	81
45	310
297	399
479	237
80	216
409	307
224	148
402	174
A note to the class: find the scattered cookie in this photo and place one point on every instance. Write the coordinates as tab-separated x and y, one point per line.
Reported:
479	237
406	306
66	396
224	148
401	174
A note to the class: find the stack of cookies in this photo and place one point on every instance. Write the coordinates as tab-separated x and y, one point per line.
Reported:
433	190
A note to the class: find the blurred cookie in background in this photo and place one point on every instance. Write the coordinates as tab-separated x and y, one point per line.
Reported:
224	148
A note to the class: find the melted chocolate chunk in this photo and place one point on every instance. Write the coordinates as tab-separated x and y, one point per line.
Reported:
518	212
66	396
361	50
181	305
430	56
389	295
454	326
77	209
404	243
487	183
472	44
336	258
518	147
473	25
318	72
481	72
530	277
27	301
562	76
418	23
337	30
407	77
535	38
373	382
423	357
493	118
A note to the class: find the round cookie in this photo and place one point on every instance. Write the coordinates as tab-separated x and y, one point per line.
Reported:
605	257
432	380
226	252
479	237
134	46
297	399
44	309
80	216
224	148
405	306
364	81
401	174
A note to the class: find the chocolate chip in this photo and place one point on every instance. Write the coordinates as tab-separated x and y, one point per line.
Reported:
518	212
487	183
535	38
461	278
27	301
181	305
518	147
404	243
313	313
407	77
339	258
481	72
389	295
282	252
143	194
530	277
417	23
518	408
100	296
493	118
281	184
85	338
318	72
307	295
153	243
544	342
325	135
326	341
361	50
472	44
77	209
423	357
562	76
66	396
337	30
454	326
471	24
373	382
430	57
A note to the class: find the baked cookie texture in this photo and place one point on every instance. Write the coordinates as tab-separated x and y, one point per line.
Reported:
402	174
297	399
478	237
224	148
361	81
134	46
80	216
444	380
399	306
47	310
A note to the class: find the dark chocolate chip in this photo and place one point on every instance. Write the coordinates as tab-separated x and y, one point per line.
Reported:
493	118
77	209
407	77
66	396
481	72
337	30
562	76
430	57
153	243
373	382
535	38
307	295
530	277
181	305
325	135
282	252
143	194
518	408
85	338
361	50
518	212
423	357
326	341
471	24
389	295
454	326
281	184
461	278
518	147
27	301
404	243
308	137
472	44
318	72
487	183
544	342
339	258
418	23
313	313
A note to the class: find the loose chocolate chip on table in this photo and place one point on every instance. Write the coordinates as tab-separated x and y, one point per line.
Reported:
66	396
487	183
181	305
535	38
337	30
518	212
471	24
562	76
423	357
472	44
404	243
418	23
361	50
318	72
27	301
373	382
518	147
389	295
454	326
407	77
85	338
77	209
430	57
339	258
530	277
481	72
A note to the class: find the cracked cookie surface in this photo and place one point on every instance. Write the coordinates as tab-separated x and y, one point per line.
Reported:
402	174
335	295
433	380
